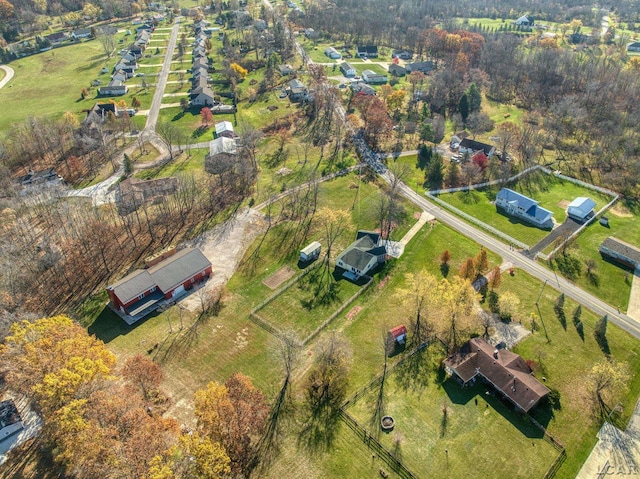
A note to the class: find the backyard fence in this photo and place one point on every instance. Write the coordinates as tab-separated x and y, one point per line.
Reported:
499	181
383	453
557	445
337	312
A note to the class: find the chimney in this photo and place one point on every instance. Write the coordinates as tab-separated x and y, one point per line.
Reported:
495	354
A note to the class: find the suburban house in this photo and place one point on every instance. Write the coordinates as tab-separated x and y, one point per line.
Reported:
581	209
57	38
310	252
504	370
225	128
142	291
396	338
114	88
132	193
621	252
297	91
402	54
467	145
347	70
10	420
201	96
516	204
332	53
310	33
633	47
525	21
367	51
373	78
424	67
285	69
397	70
100	111
362	88
39	177
361	256
81	33
120	75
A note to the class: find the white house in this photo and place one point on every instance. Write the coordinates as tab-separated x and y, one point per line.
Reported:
516	204
467	145
581	209
361	256
222	145
525	21
332	53
347	70
370	77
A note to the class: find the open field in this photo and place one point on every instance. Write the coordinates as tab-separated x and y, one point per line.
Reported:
551	192
182	164
478	436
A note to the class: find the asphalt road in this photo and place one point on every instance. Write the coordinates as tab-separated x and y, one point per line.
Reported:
522	262
9	75
154	110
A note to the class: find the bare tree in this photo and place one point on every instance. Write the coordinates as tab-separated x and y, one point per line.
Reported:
108	42
170	135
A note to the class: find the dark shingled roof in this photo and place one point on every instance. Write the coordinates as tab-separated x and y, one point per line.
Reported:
622	248
166	275
508	373
359	253
8	413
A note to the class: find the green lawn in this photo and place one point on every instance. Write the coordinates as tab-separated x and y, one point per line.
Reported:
182	164
565	362
479	435
296	311
553	194
360	67
612	282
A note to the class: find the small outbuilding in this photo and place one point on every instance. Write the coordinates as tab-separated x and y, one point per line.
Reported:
581	209
396	338
620	251
310	252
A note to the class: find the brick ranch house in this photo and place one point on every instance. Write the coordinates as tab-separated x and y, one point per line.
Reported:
506	372
142	291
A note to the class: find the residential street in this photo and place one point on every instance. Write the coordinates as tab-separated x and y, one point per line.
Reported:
154	110
520	261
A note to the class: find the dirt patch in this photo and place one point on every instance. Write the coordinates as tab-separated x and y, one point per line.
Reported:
279	277
355	310
417	215
620	211
563	204
383	282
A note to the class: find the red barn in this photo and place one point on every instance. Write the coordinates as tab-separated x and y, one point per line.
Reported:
396	337
141	292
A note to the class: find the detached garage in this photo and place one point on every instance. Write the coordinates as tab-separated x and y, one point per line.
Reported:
581	209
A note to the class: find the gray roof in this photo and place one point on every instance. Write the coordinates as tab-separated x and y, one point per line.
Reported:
133	285
165	275
622	248
359	253
178	268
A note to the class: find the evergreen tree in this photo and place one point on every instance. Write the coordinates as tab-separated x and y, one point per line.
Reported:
463	107
127	164
475	98
435	175
424	156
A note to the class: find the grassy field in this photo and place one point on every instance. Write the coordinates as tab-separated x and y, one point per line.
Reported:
478	435
610	282
553	194
565	361
296	311
182	164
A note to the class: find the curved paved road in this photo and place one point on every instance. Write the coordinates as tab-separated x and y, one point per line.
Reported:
9	75
520	261
154	110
